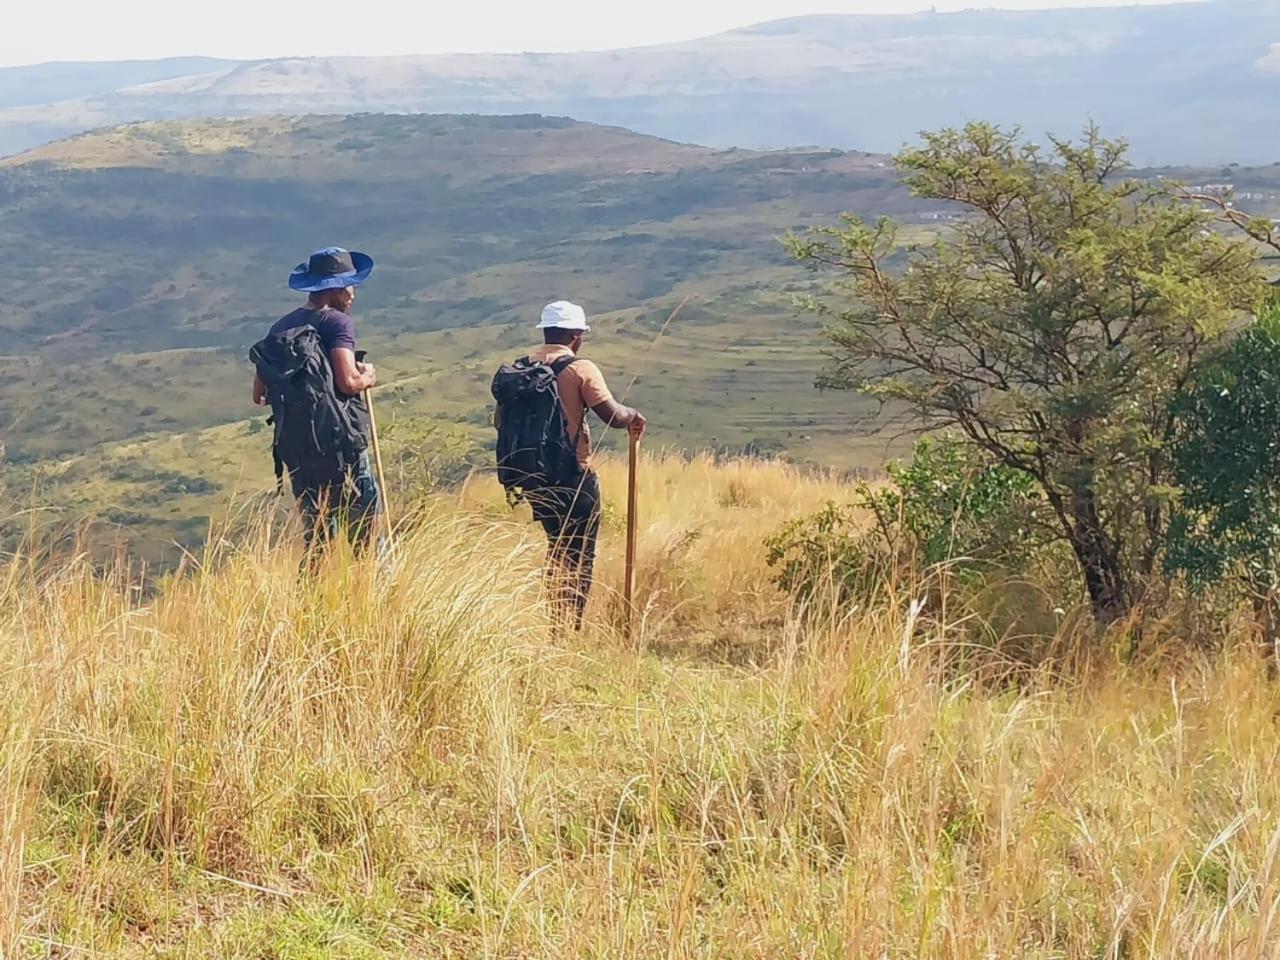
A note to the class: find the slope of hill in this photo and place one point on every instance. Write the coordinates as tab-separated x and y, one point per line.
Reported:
148	258
407	761
1187	82
51	82
145	260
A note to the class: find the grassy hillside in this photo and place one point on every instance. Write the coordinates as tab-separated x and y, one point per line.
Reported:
145	260
405	762
148	258
741	386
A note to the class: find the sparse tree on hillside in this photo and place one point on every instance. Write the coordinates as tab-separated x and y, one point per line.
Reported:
1051	326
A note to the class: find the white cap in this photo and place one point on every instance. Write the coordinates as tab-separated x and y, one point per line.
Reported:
563	315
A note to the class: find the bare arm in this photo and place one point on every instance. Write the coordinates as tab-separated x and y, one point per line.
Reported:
259	391
350	376
615	414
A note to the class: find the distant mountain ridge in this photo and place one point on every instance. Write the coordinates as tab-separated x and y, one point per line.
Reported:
1190	82
52	82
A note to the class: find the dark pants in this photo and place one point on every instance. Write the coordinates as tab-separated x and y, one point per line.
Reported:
571	518
352	504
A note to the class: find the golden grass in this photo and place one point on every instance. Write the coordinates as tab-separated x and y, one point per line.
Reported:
401	760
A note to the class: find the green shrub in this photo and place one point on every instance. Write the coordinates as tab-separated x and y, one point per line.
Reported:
946	506
1224	531
830	553
956	507
424	455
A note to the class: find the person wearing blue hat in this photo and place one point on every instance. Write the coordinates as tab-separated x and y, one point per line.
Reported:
329	277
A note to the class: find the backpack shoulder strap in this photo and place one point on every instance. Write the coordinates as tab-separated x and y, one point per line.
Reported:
563	364
559	367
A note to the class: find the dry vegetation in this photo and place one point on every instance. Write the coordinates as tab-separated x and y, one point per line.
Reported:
401	760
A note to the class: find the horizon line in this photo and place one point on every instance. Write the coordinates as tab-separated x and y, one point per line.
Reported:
1052	6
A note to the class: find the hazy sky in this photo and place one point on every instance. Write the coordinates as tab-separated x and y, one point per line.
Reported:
38	30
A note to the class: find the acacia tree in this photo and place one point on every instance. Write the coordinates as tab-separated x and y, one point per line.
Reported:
1051	326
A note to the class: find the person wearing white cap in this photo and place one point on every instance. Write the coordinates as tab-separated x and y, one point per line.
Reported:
570	514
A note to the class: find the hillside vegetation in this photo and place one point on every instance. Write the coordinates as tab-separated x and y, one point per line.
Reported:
401	760
150	258
1005	702
157	254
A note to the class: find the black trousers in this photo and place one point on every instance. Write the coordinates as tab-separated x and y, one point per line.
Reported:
352	503
571	518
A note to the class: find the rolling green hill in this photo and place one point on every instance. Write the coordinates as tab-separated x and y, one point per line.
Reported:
149	258
146	259
143	261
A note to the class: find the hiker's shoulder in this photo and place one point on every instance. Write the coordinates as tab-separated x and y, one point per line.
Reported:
575	368
335	319
290	320
585	369
336	329
591	382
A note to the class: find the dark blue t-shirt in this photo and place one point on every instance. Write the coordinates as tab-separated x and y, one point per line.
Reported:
336	329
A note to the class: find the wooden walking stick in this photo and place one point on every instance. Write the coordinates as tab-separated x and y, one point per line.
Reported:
377	461
629	585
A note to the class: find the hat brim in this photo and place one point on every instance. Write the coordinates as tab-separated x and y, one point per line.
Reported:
556	326
304	281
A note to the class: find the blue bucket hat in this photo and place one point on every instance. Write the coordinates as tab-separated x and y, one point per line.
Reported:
331	269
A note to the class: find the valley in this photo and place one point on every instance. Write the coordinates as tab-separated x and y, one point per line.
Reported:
145	260
153	256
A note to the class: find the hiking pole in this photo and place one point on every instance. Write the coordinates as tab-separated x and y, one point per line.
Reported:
633	455
377	461
629	583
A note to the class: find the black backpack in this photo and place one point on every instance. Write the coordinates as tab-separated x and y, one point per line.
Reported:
319	435
534	449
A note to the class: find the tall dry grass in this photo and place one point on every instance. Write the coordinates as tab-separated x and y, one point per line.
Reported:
400	759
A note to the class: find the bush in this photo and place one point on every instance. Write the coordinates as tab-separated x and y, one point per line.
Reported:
177	484
425	455
1226	460
957	507
1225	527
831	553
946	506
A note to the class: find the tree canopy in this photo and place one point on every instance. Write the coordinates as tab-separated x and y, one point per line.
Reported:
1051	325
1226	460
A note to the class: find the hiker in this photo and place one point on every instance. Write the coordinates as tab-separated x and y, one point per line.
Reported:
544	448
309	371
